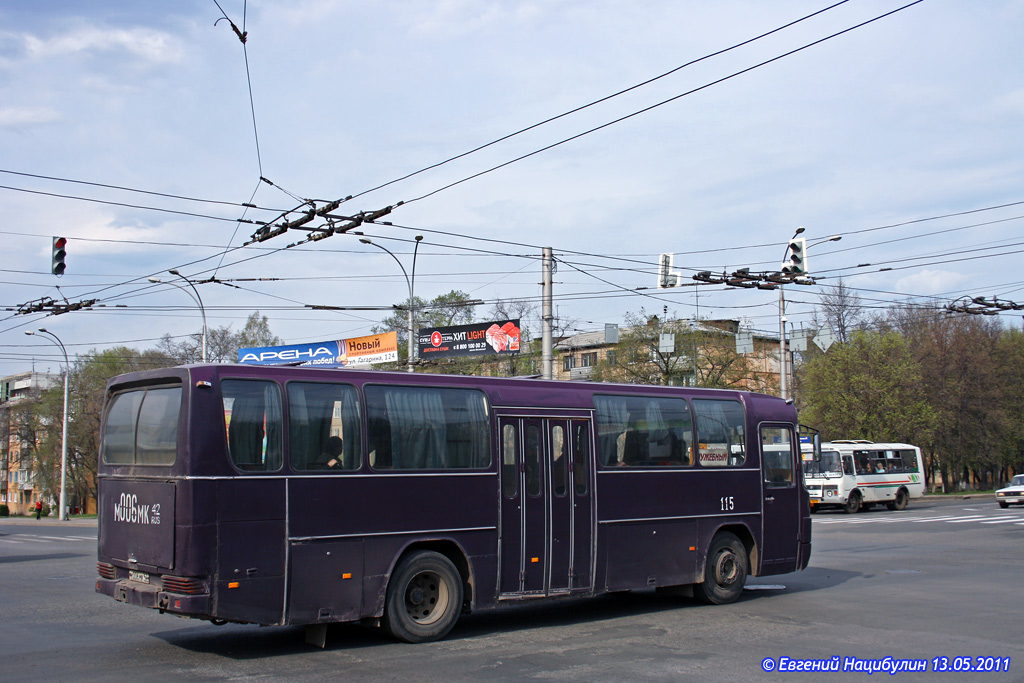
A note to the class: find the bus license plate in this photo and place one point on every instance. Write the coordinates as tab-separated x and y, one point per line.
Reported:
141	577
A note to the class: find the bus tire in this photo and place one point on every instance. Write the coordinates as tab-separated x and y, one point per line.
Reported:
900	503
852	503
725	571
424	598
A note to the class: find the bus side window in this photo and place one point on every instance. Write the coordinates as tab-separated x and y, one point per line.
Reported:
909	461
253	419
427	428
847	465
721	439
642	431
324	426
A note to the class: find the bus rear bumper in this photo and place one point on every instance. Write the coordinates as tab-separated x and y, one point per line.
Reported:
142	595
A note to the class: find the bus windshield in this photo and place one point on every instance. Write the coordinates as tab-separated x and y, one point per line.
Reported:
829	466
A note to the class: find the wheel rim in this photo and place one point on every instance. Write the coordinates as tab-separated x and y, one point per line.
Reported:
727	569
426	598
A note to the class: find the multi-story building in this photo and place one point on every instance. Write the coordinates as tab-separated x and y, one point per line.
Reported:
19	393
701	345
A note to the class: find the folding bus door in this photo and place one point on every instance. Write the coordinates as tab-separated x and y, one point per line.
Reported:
546	518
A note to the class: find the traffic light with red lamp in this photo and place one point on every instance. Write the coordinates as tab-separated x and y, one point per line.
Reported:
57	264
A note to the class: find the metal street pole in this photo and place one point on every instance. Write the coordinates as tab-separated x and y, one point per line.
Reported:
409	282
784	364
198	299
62	515
547	346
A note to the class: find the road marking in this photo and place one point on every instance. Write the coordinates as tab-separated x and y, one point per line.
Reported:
35	538
950	519
1004	521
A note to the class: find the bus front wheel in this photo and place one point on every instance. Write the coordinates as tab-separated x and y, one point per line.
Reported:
725	571
424	598
852	503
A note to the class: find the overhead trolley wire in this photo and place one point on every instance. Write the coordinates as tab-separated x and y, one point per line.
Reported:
597	101
662	103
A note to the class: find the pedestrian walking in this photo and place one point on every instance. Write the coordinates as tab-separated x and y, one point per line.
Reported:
39	508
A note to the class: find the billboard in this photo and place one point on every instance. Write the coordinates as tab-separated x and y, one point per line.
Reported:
478	339
375	348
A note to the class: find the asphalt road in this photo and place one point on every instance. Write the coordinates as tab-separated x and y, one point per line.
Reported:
940	579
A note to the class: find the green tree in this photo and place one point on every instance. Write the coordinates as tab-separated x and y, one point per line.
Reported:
453	308
965	387
868	388
222	344
256	333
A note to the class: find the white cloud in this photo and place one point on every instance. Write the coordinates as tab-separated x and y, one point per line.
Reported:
928	282
150	45
11	117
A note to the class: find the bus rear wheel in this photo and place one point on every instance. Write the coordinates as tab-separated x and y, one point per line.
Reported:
424	598
900	503
725	571
852	503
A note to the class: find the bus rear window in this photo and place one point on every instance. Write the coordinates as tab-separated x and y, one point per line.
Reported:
141	427
427	428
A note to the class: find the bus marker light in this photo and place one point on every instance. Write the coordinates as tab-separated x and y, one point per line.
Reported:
233	584
534	559
346	576
692	548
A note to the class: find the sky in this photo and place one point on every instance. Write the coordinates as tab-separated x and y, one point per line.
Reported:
141	131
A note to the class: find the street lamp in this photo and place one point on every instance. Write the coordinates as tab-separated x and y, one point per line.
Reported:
409	281
195	298
783	357
63	514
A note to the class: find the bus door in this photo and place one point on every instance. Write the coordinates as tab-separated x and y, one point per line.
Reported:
781	510
546	540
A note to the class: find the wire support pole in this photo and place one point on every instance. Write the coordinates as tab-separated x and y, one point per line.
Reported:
408	281
198	299
62	514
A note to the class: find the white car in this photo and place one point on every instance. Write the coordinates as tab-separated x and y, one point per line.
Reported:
1014	493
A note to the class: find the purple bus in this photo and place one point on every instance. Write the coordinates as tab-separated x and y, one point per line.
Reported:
303	496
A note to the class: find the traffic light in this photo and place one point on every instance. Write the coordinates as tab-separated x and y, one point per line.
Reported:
57	265
797	263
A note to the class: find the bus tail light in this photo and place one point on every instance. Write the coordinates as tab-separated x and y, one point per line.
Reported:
179	584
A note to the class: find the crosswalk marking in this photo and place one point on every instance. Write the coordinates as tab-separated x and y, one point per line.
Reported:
962	516
18	539
1004	521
